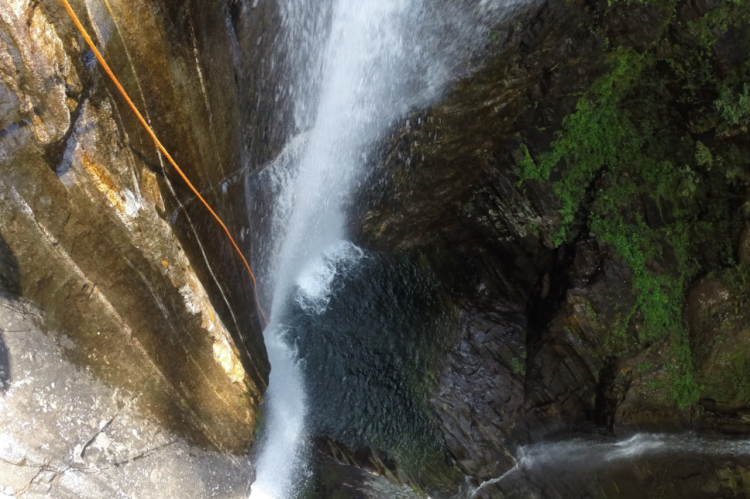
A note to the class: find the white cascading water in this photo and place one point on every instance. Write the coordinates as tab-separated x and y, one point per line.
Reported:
358	66
585	455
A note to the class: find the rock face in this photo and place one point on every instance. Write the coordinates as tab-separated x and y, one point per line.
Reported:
128	269
717	309
593	173
65	434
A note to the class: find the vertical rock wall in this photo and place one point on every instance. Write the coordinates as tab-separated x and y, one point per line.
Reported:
102	236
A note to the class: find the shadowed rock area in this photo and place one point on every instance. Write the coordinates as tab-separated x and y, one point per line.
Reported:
65	434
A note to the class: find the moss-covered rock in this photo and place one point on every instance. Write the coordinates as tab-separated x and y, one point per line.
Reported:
719	326
593	171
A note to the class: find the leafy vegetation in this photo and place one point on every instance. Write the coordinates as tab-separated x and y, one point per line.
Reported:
594	137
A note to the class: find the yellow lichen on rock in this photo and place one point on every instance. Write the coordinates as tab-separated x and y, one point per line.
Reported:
150	189
122	199
225	356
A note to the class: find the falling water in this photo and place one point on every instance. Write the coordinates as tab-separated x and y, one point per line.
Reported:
357	67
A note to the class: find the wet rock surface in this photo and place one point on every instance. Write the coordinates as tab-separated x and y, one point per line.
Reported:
97	232
481	391
588	314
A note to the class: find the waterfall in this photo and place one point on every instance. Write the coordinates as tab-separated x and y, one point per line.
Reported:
356	67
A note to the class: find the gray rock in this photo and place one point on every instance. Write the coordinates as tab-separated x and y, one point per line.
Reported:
65	434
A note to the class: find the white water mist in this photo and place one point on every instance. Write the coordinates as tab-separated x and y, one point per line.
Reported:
357	67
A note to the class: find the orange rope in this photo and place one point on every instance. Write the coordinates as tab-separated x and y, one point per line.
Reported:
104	64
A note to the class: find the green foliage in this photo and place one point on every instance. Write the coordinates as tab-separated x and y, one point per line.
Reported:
709	27
734	107
592	138
684	390
703	155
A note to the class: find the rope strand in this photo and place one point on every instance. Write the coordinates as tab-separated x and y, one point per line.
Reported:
158	143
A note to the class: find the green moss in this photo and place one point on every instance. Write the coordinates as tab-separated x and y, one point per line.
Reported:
653	385
258	429
628	170
518	365
417	491
592	138
613	2
740	374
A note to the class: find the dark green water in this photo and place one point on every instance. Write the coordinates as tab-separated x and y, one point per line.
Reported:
369	360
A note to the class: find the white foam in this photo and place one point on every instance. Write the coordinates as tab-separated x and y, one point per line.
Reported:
316	279
589	454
